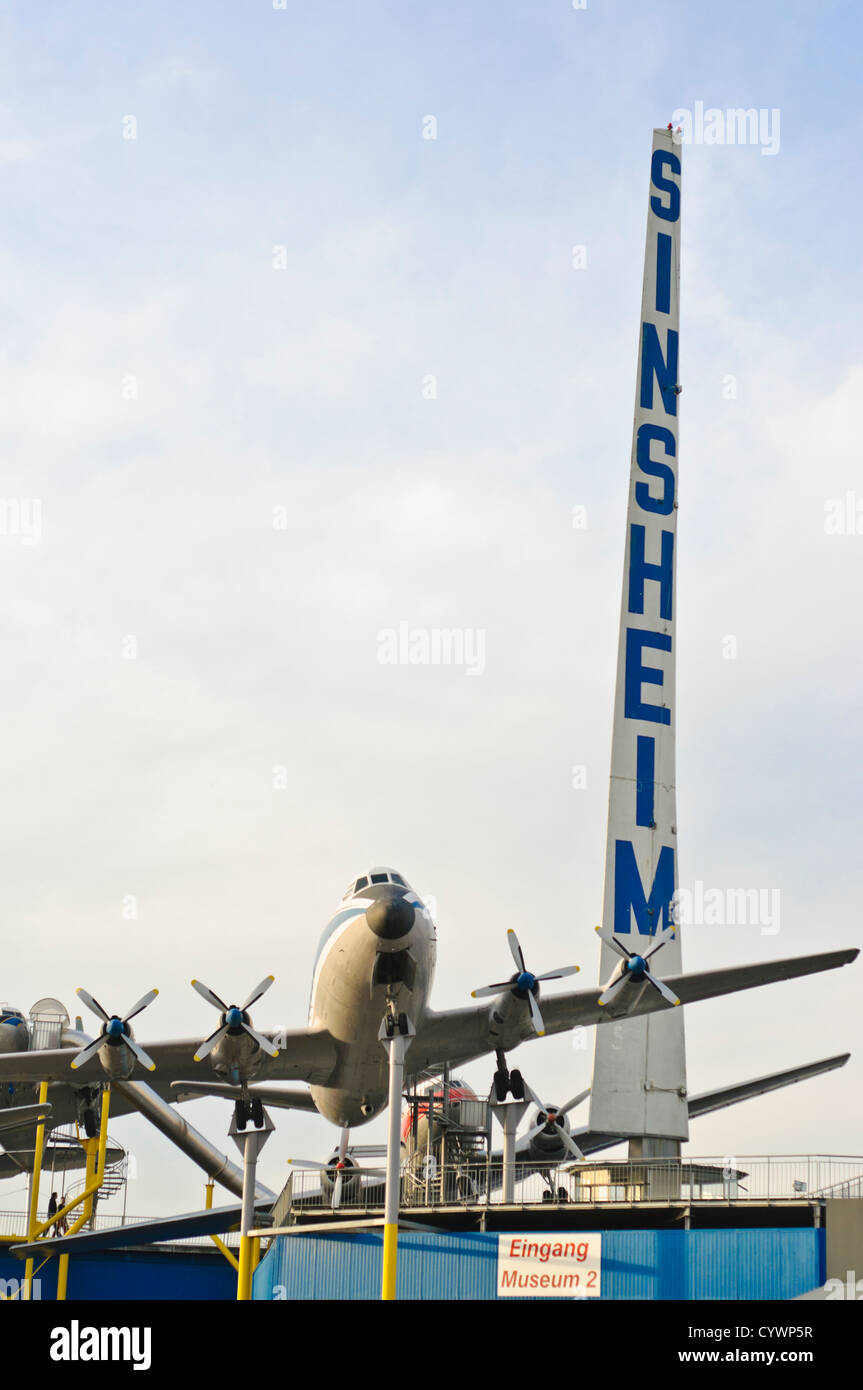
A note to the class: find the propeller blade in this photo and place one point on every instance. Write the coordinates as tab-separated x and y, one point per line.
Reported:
561	972
209	1043
576	1100
663	989
263	1043
210	997
536	1016
661	940
613	989
343	1144
141	1055
337	1190
570	1144
141	1004
613	942
93	1005
490	989
517	953
258	991
86	1053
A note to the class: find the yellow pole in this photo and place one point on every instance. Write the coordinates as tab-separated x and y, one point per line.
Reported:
388	1283
219	1244
33	1216
244	1282
99	1147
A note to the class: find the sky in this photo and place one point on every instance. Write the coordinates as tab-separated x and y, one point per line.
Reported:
295	350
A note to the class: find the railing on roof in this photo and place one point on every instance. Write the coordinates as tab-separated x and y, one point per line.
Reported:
785	1178
14	1223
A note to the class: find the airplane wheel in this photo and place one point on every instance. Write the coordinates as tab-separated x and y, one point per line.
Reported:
403	1025
91	1127
240	1115
516	1084
546	1196
562	1194
257	1109
501	1085
390	1025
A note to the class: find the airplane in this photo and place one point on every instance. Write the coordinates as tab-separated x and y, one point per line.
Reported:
376	958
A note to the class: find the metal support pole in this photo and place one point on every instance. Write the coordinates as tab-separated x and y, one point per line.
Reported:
509	1114
397	1044
249	1142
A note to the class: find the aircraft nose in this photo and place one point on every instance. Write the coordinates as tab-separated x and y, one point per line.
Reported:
390	916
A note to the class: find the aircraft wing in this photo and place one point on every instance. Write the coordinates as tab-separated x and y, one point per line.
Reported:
304	1055
460	1035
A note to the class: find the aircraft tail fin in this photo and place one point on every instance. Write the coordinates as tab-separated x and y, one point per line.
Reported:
639	1077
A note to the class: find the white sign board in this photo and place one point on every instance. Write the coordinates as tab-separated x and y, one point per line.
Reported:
548	1265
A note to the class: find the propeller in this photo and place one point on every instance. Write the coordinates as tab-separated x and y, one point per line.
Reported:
552	1115
635	967
234	1018
114	1030
340	1164
340	1167
524	982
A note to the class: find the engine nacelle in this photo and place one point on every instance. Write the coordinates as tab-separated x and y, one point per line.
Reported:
236	1056
547	1146
351	1180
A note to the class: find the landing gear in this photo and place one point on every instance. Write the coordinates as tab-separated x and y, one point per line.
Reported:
506	1082
90	1123
252	1108
395	1025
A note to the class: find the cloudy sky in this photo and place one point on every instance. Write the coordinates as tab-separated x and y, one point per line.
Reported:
280	371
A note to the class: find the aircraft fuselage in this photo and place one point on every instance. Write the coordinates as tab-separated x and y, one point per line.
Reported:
379	947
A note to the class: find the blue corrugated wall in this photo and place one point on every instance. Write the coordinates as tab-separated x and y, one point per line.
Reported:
135	1274
750	1264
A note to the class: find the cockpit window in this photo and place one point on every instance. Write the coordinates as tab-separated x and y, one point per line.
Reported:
397	878
379	878
361	883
